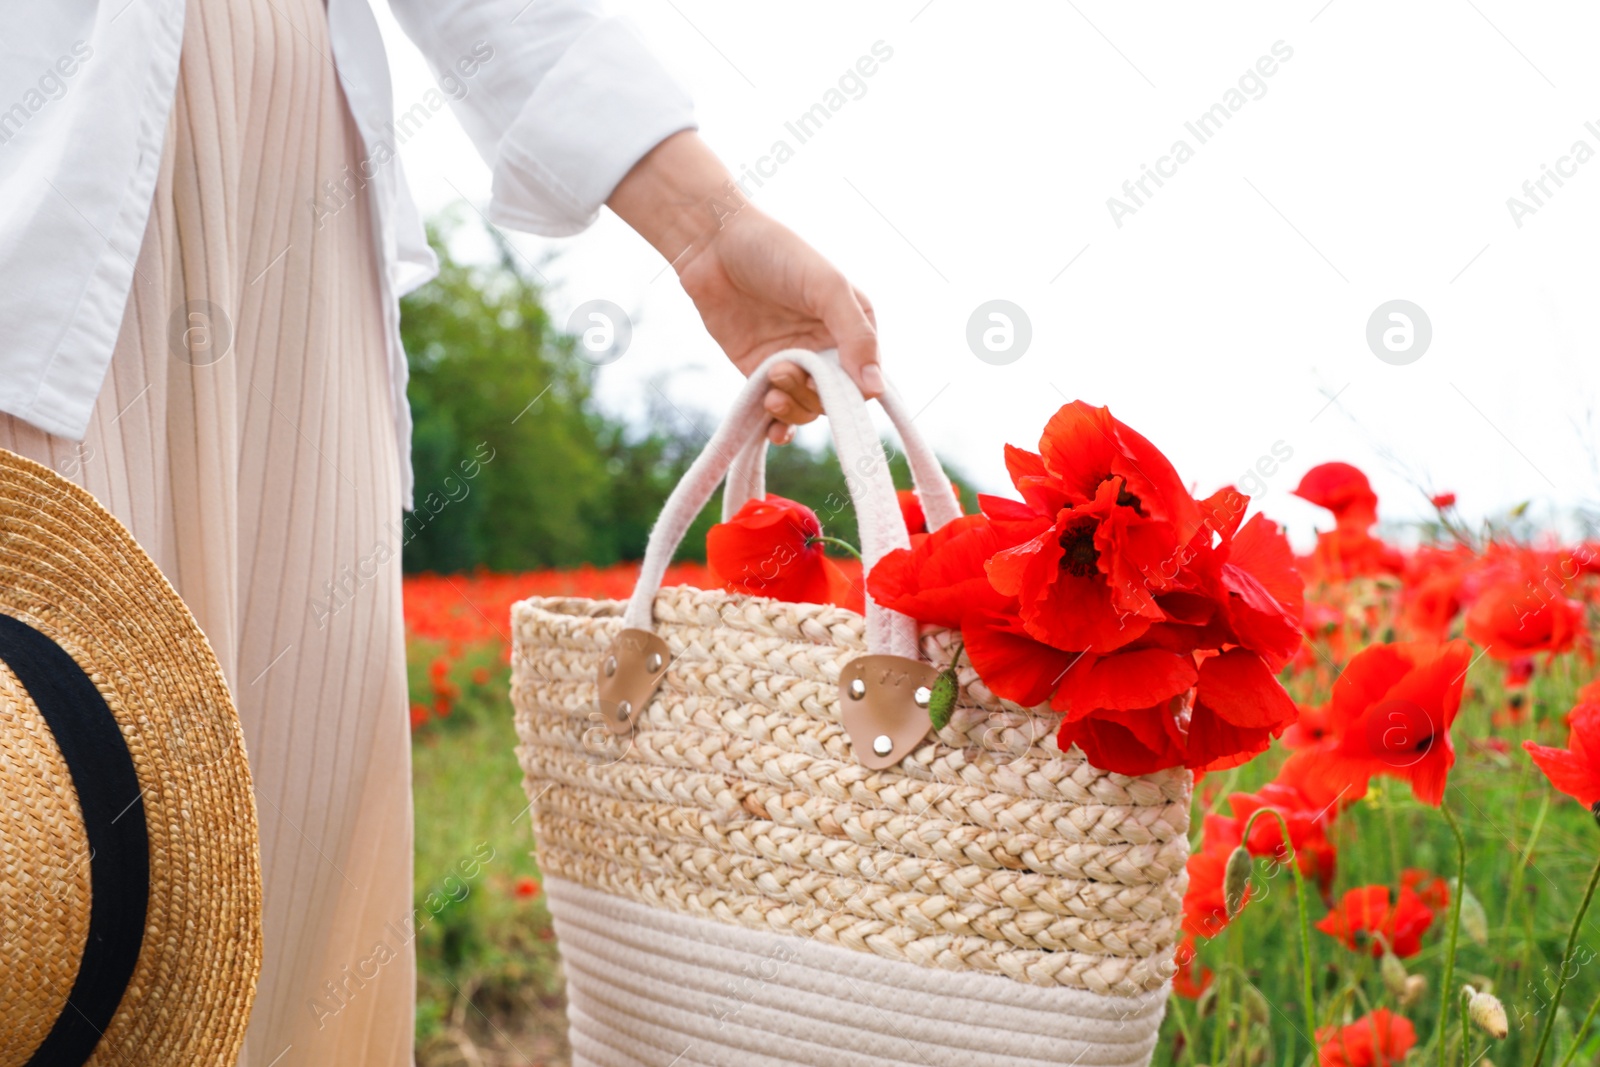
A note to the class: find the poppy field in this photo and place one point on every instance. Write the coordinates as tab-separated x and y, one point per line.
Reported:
1396	753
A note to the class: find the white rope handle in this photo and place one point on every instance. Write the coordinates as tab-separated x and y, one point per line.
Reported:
866	474
747	480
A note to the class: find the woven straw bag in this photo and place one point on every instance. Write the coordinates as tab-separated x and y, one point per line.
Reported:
747	868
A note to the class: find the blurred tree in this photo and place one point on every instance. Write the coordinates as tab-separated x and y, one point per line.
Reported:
516	465
507	449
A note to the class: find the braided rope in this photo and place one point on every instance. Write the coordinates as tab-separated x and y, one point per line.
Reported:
738	799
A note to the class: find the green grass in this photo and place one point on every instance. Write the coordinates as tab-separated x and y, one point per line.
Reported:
488	975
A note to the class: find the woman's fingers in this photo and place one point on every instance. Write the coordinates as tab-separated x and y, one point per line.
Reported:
797	384
783	407
849	320
792	400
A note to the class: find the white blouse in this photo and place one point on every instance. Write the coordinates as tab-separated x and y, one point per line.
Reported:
561	102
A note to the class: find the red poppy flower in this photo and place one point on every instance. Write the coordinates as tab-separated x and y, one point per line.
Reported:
1378	1039
1083	447
527	887
1344	554
911	511
1187	983
1323	786
1311	728
1432	890
1308	828
1343	490
1118	515
1205	912
1264	593
1060	580
1519	671
770	549
1574	770
1366	911
1392	709
419	716
1011	663
1514	618
1132	741
1122	680
1239	707
940	579
1430	605
1153	622
1443	500
1587	694
1348	550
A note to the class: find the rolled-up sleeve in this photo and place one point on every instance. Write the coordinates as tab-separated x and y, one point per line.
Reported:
561	100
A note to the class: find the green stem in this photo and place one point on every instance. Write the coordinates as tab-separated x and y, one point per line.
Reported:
1183	1025
1241	983
1519	874
1305	921
1219	1008
1566	959
1447	990
1582	1030
821	539
1394	838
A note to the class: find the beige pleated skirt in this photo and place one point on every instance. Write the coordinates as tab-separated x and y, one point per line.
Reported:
244	436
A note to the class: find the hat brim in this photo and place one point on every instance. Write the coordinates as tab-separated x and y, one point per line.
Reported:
71	571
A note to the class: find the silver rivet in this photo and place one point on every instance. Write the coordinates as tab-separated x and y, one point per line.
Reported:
610	666
624	709
883	744
653	664
922	696
858	688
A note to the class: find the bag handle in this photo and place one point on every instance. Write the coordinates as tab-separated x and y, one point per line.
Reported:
748	477
884	694
867	476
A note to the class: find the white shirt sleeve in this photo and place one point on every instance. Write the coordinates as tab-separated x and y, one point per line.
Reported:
559	99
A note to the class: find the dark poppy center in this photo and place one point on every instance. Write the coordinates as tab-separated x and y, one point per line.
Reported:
1124	498
1079	557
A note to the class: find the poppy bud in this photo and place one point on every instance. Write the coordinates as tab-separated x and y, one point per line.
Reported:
1416	985
1474	922
1393	973
1486	1012
943	699
1255	1006
1207	1002
1236	880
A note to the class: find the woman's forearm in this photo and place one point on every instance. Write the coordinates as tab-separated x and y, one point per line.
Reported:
677	196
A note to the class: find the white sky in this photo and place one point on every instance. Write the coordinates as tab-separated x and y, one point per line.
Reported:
1220	318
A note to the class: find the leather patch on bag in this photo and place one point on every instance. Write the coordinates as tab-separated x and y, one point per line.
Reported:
629	673
883	704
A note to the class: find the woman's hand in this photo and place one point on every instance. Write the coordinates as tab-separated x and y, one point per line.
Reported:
759	288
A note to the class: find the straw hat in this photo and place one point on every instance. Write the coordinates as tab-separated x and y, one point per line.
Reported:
130	882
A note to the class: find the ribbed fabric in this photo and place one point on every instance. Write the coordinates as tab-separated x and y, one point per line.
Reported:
647	987
257	475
